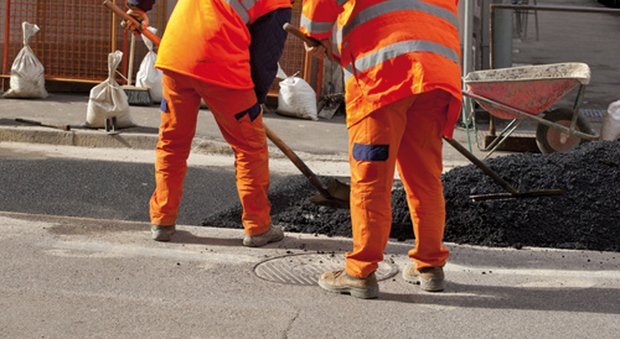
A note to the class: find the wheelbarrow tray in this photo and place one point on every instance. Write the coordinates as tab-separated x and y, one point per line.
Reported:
529	89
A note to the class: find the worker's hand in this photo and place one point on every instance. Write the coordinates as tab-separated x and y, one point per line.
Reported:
140	16
320	51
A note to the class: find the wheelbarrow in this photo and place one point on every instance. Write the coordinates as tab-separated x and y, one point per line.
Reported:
520	93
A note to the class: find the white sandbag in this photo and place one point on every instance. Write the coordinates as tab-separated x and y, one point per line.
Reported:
296	98
611	122
108	100
27	72
148	76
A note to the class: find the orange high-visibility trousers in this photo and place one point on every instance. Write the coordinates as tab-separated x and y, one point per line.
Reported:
406	135
240	121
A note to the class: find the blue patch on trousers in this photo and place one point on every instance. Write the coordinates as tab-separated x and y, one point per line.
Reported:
362	152
164	105
253	112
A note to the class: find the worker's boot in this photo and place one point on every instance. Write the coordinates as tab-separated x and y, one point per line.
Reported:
162	233
272	235
430	279
341	282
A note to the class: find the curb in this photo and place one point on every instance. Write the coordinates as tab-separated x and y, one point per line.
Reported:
131	140
100	139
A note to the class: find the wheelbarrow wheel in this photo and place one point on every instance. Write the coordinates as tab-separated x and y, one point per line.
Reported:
549	139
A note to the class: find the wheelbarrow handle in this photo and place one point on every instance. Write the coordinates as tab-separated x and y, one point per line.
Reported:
142	30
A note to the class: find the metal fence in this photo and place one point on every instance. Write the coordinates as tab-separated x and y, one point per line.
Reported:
76	37
73	42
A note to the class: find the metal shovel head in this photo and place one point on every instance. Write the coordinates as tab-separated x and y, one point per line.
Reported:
339	193
339	190
329	109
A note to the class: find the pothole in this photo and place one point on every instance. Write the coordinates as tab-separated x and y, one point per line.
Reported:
304	269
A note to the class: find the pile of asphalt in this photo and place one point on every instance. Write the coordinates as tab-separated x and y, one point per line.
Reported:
587	216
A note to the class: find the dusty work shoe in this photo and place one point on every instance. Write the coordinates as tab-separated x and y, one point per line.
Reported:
272	235
162	233
341	282
430	279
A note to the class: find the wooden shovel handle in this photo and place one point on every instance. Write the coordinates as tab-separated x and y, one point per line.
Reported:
297	162
296	32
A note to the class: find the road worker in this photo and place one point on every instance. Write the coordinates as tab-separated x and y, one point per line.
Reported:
403	93
224	52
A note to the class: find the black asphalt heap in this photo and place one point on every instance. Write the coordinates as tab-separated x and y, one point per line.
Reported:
587	216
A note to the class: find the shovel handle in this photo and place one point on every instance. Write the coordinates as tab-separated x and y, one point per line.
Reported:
118	11
296	32
312	42
297	162
486	169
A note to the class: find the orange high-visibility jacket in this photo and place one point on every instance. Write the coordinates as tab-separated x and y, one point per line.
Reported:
390	49
209	39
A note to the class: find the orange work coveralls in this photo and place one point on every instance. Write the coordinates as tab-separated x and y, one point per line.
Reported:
403	92
205	54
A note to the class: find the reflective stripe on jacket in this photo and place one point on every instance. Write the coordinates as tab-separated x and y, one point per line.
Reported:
209	39
390	49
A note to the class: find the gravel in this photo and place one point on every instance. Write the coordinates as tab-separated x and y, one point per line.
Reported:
587	216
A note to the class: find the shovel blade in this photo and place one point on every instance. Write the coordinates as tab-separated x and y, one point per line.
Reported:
329	202
338	197
339	190
328	111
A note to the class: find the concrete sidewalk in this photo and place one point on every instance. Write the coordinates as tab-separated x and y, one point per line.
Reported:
76	278
318	137
312	140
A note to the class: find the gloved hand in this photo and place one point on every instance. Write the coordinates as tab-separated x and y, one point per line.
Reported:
320	51
140	16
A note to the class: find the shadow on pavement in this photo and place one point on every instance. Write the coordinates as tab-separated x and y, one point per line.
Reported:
184	237
601	300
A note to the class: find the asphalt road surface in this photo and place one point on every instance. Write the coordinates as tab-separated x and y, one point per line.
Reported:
35	183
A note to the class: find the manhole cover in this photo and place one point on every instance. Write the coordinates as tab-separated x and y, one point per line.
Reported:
305	269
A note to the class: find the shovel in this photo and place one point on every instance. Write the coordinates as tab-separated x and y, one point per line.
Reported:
335	195
511	192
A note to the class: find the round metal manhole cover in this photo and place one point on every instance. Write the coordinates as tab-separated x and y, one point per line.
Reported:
305	269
